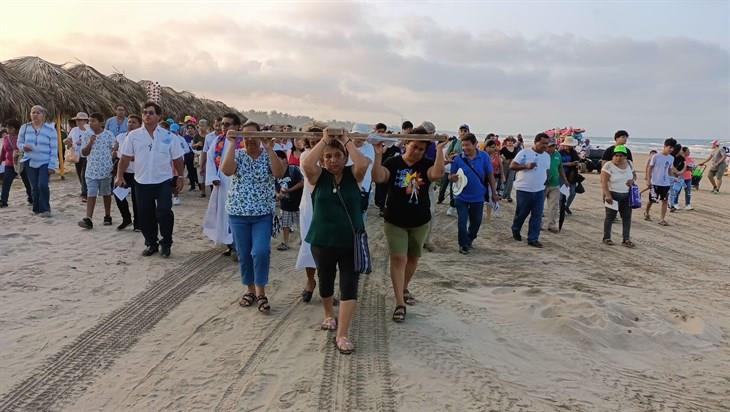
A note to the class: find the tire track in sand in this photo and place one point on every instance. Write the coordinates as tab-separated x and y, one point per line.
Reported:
362	381
76	365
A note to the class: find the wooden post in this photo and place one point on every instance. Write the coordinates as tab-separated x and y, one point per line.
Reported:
60	146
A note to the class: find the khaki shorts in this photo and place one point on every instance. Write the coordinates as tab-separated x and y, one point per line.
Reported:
405	241
720	171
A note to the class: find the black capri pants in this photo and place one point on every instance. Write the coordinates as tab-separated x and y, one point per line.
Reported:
328	259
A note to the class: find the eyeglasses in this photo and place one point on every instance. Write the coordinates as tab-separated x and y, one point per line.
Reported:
149	112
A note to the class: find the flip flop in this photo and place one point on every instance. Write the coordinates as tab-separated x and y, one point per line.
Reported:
663	223
344	345
329	324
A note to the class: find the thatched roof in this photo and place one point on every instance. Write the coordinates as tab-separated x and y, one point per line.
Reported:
105	86
30	80
129	87
16	96
66	95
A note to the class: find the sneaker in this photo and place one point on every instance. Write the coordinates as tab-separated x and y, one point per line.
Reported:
2	205
45	214
450	211
517	236
689	207
86	223
151	250
107	220
165	251
535	243
124	224
568	211
176	201
463	251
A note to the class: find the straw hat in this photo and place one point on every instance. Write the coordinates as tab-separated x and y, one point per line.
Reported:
460	184
569	141
81	116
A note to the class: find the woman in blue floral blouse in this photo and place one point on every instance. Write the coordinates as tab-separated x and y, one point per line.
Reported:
250	205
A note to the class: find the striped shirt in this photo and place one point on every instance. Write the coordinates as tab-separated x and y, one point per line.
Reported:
44	143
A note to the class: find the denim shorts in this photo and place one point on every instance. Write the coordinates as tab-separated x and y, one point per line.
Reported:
99	187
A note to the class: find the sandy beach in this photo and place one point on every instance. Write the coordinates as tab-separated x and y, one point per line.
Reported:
88	324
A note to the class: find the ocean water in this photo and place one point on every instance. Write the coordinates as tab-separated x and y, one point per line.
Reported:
698	147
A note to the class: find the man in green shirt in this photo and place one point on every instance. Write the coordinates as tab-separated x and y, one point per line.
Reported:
556	174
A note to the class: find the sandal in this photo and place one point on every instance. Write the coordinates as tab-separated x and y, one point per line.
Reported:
663	223
344	345
399	314
263	304
282	247
608	242
409	298
307	294
247	299
629	244
329	324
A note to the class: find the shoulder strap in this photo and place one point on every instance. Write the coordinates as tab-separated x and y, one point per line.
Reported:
468	163
344	206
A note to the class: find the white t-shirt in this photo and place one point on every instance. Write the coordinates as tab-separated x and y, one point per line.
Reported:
661	164
618	177
121	138
532	180
77	135
152	157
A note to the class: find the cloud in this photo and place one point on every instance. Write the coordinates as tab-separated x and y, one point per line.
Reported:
335	61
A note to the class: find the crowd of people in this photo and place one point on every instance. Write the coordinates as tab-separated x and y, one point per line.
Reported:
323	186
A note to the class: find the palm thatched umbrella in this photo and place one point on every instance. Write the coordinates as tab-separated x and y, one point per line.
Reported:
16	96
66	95
105	87
131	89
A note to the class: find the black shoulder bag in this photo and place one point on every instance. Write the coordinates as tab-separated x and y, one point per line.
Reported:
363	264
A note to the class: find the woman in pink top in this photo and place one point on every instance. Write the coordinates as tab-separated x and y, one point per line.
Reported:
296	152
687	176
9	146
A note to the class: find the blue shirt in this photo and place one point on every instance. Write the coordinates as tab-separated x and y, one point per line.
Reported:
114	126
44	143
476	186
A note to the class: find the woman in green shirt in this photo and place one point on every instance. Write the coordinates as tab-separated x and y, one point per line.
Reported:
330	234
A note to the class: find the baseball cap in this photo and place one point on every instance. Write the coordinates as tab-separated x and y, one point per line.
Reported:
620	149
464	126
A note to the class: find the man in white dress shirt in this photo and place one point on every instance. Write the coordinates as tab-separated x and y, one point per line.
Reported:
155	152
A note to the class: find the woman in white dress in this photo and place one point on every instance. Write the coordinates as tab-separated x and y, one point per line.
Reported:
305	260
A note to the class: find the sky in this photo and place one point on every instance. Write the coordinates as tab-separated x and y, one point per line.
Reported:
655	68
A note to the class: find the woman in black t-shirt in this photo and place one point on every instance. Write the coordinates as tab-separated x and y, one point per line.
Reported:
407	212
507	153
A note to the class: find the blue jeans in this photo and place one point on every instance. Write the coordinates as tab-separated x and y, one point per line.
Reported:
38	177
252	237
529	203
469	213
687	186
